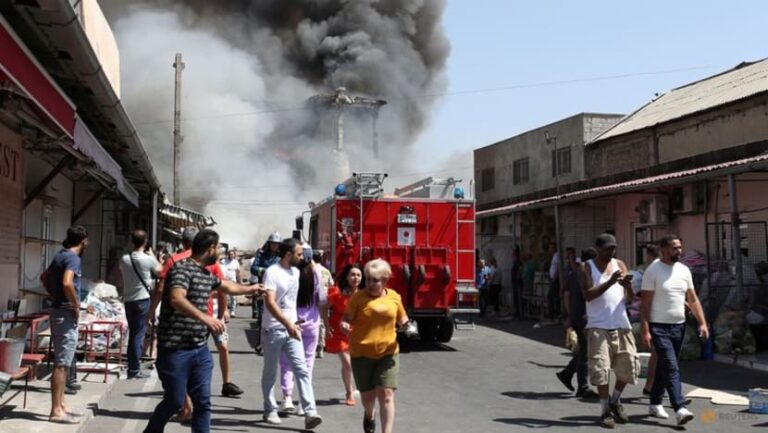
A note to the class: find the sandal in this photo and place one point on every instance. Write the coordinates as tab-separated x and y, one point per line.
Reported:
66	419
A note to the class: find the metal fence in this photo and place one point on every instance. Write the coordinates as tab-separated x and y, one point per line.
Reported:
720	271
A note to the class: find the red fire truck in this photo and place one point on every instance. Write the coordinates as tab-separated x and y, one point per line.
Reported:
426	231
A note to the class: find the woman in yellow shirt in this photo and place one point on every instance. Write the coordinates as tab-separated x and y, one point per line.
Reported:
371	319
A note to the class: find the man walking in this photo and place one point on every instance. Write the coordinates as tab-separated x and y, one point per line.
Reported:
230	266
217	299
184	363
610	343
667	287
577	318
62	281
281	334
265	257
139	269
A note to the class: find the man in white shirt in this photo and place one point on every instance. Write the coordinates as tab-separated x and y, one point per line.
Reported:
610	344
667	288
230	266
281	334
139	270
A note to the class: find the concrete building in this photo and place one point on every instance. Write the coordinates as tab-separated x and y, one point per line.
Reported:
523	166
70	153
690	162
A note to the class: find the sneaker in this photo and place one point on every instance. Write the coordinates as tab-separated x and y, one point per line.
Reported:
232	314
311	421
369	424
618	413
320	353
587	393
300	411
230	390
70	391
287	406
606	420
139	375
657	411
74	385
273	419
565	380
683	416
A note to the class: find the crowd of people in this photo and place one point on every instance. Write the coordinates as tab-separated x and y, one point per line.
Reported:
183	298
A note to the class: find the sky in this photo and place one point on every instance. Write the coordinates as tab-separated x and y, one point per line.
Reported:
510	43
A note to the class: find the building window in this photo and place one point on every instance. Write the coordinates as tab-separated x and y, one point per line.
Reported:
561	161
489	225
488	179
520	171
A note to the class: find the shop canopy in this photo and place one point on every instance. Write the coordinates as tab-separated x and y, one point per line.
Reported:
744	165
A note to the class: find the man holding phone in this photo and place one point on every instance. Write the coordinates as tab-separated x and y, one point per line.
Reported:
667	287
610	344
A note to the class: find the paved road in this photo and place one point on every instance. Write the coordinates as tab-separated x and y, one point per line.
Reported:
497	378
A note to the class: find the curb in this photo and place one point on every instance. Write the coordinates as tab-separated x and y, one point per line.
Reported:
89	412
745	363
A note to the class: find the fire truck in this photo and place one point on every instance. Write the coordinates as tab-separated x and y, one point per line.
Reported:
426	231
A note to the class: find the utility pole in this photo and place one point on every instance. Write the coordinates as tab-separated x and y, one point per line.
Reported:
177	138
552	139
340	100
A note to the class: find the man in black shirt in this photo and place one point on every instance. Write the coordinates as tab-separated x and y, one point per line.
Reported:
184	363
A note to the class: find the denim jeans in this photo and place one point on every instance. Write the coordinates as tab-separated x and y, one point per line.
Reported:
667	340
184	372
578	364
136	313
310	334
274	342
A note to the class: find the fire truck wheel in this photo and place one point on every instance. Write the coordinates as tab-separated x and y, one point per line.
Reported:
428	327
445	333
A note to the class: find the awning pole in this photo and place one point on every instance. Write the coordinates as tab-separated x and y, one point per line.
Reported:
88	204
736	236
155	194
48	179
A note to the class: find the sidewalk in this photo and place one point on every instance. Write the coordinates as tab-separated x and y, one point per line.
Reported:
16	419
721	374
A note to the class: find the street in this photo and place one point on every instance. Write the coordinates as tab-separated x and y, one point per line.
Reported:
491	379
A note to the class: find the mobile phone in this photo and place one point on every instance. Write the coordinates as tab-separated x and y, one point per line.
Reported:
628	277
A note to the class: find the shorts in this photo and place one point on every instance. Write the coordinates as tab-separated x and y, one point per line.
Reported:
612	349
376	373
64	334
221	338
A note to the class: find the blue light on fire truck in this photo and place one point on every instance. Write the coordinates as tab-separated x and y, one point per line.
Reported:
341	189
458	193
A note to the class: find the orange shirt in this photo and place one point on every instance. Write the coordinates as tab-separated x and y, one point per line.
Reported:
373	324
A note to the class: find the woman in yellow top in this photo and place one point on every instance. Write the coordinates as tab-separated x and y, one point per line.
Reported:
371	319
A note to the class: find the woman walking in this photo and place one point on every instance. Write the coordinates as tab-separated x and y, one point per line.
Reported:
371	319
336	341
311	297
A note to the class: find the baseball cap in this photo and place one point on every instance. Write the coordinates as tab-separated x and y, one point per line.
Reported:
605	240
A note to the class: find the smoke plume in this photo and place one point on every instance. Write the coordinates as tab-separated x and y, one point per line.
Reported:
253	154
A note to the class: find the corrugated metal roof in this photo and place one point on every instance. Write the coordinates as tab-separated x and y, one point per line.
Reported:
744	80
738	166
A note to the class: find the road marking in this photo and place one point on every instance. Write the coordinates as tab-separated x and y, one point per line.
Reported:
140	405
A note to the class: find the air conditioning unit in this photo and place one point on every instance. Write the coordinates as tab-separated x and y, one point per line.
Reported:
688	199
653	211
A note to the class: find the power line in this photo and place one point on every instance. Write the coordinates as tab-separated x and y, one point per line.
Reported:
446	94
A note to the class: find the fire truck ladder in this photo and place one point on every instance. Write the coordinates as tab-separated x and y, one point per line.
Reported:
365	185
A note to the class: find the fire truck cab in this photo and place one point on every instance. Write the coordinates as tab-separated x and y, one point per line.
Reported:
426	231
